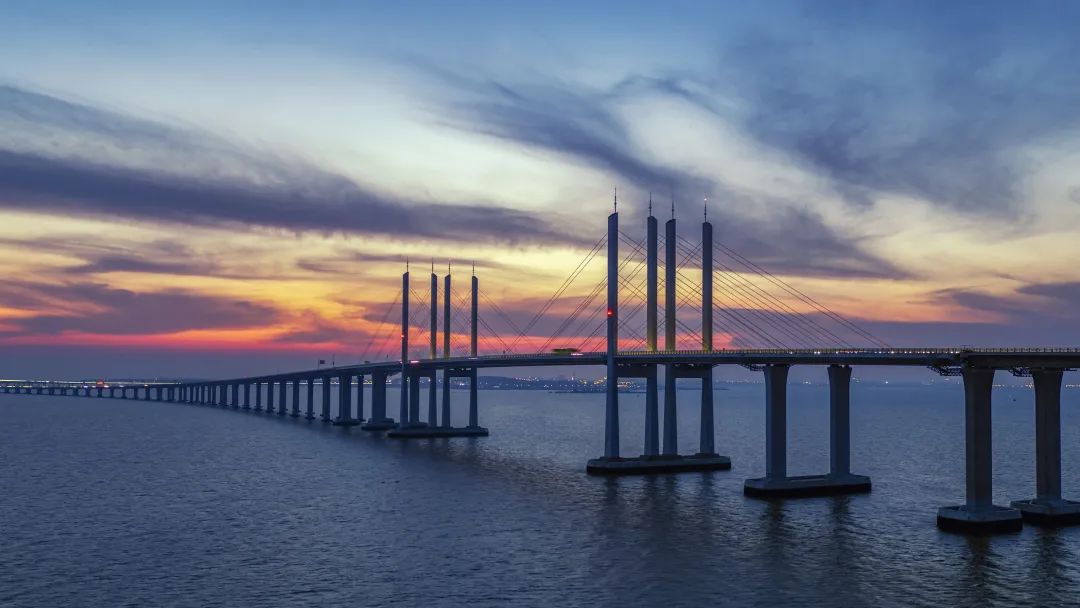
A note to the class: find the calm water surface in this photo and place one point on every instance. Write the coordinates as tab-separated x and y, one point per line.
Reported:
114	503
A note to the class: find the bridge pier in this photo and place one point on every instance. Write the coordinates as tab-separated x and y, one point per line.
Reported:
978	514
446	397
433	411
414	429
1048	508
247	396
378	420
283	388
268	397
474	410
839	480
310	407
669	461
414	401
258	397
345	417
706	458
325	417
295	413
652	415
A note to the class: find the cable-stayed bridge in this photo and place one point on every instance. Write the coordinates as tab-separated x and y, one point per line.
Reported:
718	308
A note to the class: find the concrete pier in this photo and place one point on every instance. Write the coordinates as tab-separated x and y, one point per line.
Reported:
433	407
310	411
270	397
446	351
669	461
414	401
378	420
1048	508
839	480
409	426
325	417
283	388
611	407
978	515
671	412
415	429
345	417
652	411
258	396
295	413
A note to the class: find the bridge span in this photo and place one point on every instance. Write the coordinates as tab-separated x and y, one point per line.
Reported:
285	393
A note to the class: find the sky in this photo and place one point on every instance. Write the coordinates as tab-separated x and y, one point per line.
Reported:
222	188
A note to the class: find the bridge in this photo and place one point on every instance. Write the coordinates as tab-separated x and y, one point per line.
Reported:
768	326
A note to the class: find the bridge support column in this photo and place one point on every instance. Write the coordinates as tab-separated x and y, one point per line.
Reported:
474	406
378	420
295	398
420	430
236	395
283	394
403	408
270	396
1048	508
433	408
247	396
652	415
359	398
671	413
414	401
707	440
446	397
345	402
325	416
839	480
978	514
310	412
345	417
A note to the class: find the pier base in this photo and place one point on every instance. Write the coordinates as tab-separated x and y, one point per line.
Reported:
347	422
657	465
1049	514
425	432
989	519
384	424
806	485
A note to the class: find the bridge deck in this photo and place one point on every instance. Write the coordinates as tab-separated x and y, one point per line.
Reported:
993	358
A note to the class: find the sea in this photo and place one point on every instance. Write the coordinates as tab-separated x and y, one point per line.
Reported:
133	503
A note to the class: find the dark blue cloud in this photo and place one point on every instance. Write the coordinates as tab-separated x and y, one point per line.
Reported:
934	101
582	125
124	312
247	190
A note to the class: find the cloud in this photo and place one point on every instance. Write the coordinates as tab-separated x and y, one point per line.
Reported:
1067	292
1028	304
96	308
582	125
899	98
348	262
151	172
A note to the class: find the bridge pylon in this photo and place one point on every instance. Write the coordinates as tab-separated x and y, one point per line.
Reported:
409	425
669	461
